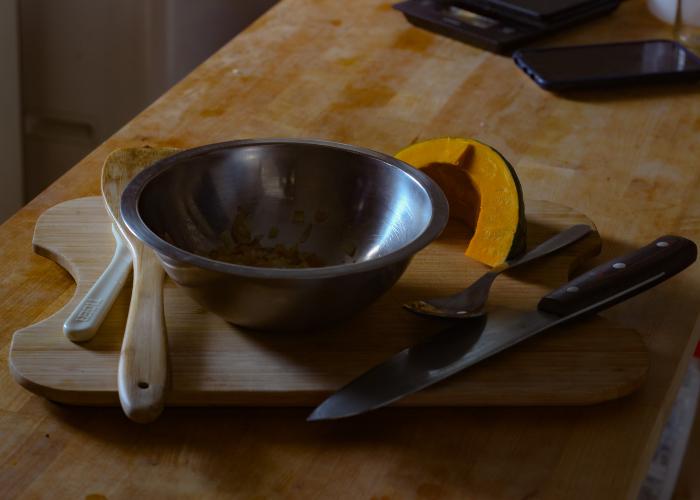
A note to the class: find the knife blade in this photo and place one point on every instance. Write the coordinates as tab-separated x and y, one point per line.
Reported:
465	344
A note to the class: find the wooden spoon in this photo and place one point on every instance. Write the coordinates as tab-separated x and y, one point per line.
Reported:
143	366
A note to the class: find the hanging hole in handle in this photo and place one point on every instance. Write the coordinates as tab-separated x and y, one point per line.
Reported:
143	385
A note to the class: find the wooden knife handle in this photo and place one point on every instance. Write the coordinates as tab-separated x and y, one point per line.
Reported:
143	364
622	277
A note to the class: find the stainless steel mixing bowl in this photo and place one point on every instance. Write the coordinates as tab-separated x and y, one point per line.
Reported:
364	213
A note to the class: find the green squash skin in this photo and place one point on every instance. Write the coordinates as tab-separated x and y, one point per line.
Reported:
519	244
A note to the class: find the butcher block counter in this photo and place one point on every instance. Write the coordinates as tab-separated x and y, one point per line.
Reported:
357	72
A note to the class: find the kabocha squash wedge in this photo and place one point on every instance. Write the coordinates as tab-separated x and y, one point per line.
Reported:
483	191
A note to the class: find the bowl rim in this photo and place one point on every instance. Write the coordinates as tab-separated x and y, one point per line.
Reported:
132	193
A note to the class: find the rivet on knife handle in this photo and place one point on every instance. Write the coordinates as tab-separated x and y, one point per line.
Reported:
622	277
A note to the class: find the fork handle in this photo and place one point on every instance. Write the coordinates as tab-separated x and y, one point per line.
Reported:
553	244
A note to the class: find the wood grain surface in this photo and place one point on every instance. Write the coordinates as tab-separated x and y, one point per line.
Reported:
358	72
215	363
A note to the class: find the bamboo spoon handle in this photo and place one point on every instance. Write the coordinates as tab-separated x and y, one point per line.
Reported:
143	365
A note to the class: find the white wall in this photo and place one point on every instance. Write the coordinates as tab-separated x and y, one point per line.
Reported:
211	23
10	145
84	74
89	66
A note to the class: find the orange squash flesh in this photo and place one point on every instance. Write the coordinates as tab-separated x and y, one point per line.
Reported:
483	191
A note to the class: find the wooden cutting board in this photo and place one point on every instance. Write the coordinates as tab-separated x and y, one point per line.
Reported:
215	363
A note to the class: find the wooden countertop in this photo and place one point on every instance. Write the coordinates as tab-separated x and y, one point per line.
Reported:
358	72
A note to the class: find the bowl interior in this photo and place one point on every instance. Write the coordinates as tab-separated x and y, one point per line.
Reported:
341	206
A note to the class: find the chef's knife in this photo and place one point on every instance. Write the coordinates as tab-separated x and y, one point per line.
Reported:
466	343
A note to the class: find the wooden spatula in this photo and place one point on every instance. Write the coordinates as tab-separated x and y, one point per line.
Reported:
143	369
